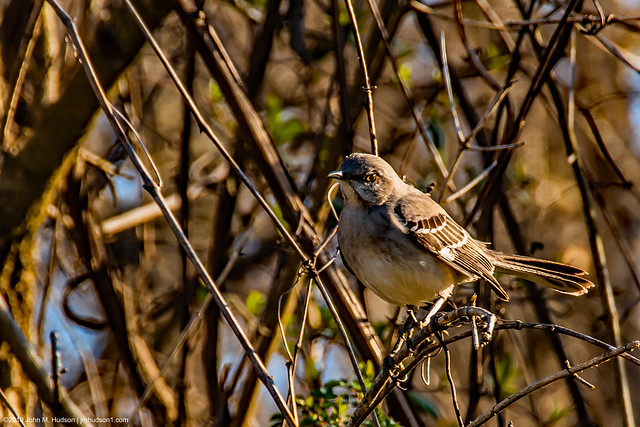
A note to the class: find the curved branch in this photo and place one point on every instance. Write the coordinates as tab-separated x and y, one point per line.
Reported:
570	371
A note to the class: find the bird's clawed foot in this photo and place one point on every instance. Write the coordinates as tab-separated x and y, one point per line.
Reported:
392	369
483	338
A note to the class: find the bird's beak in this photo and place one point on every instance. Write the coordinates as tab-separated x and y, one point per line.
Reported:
335	175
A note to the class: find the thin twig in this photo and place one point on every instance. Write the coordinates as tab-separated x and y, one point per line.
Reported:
452	385
291	366
150	186
35	371
25	52
595	240
475	61
447	84
56	364
17	418
415	114
552	378
475	181
382	384
306	262
365	73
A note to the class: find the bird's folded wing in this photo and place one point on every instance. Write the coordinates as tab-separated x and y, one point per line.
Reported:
429	225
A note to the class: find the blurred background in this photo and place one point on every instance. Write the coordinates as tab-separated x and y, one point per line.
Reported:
85	252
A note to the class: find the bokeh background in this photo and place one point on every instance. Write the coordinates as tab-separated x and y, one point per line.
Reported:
85	252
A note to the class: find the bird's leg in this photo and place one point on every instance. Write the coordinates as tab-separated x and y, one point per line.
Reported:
387	363
487	330
437	305
405	331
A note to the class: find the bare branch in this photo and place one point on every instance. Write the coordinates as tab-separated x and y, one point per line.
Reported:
596	361
154	191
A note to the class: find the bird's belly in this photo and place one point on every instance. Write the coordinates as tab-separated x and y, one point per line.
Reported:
416	284
397	270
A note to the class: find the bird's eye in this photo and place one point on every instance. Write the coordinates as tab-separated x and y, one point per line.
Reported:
370	177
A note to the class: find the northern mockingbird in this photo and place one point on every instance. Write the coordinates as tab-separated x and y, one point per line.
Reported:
405	247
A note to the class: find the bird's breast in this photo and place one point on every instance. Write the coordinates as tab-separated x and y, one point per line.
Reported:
385	260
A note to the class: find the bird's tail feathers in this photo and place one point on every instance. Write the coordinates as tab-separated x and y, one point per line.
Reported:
562	278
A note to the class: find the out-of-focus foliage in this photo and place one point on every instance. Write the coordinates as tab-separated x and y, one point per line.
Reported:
331	404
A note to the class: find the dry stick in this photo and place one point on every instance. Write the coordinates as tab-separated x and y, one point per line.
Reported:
588	17
493	106
454	115
17	418
47	284
292	206
475	61
182	185
615	229
516	24
452	385
32	367
570	371
596	241
447	83
193	322
25	51
431	146
518	325
382	385
367	84
151	187
475	181
495	19
597	136
464	141
56	364
291	396
617	52
306	261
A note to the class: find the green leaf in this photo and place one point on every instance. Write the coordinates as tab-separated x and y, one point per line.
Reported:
404	74
333	383
557	415
289	130
215	92
507	375
424	404
255	301
311	371
281	128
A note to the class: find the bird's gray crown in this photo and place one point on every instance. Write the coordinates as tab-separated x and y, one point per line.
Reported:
370	177
357	166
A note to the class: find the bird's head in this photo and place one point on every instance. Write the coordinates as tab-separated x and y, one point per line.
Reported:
366	179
